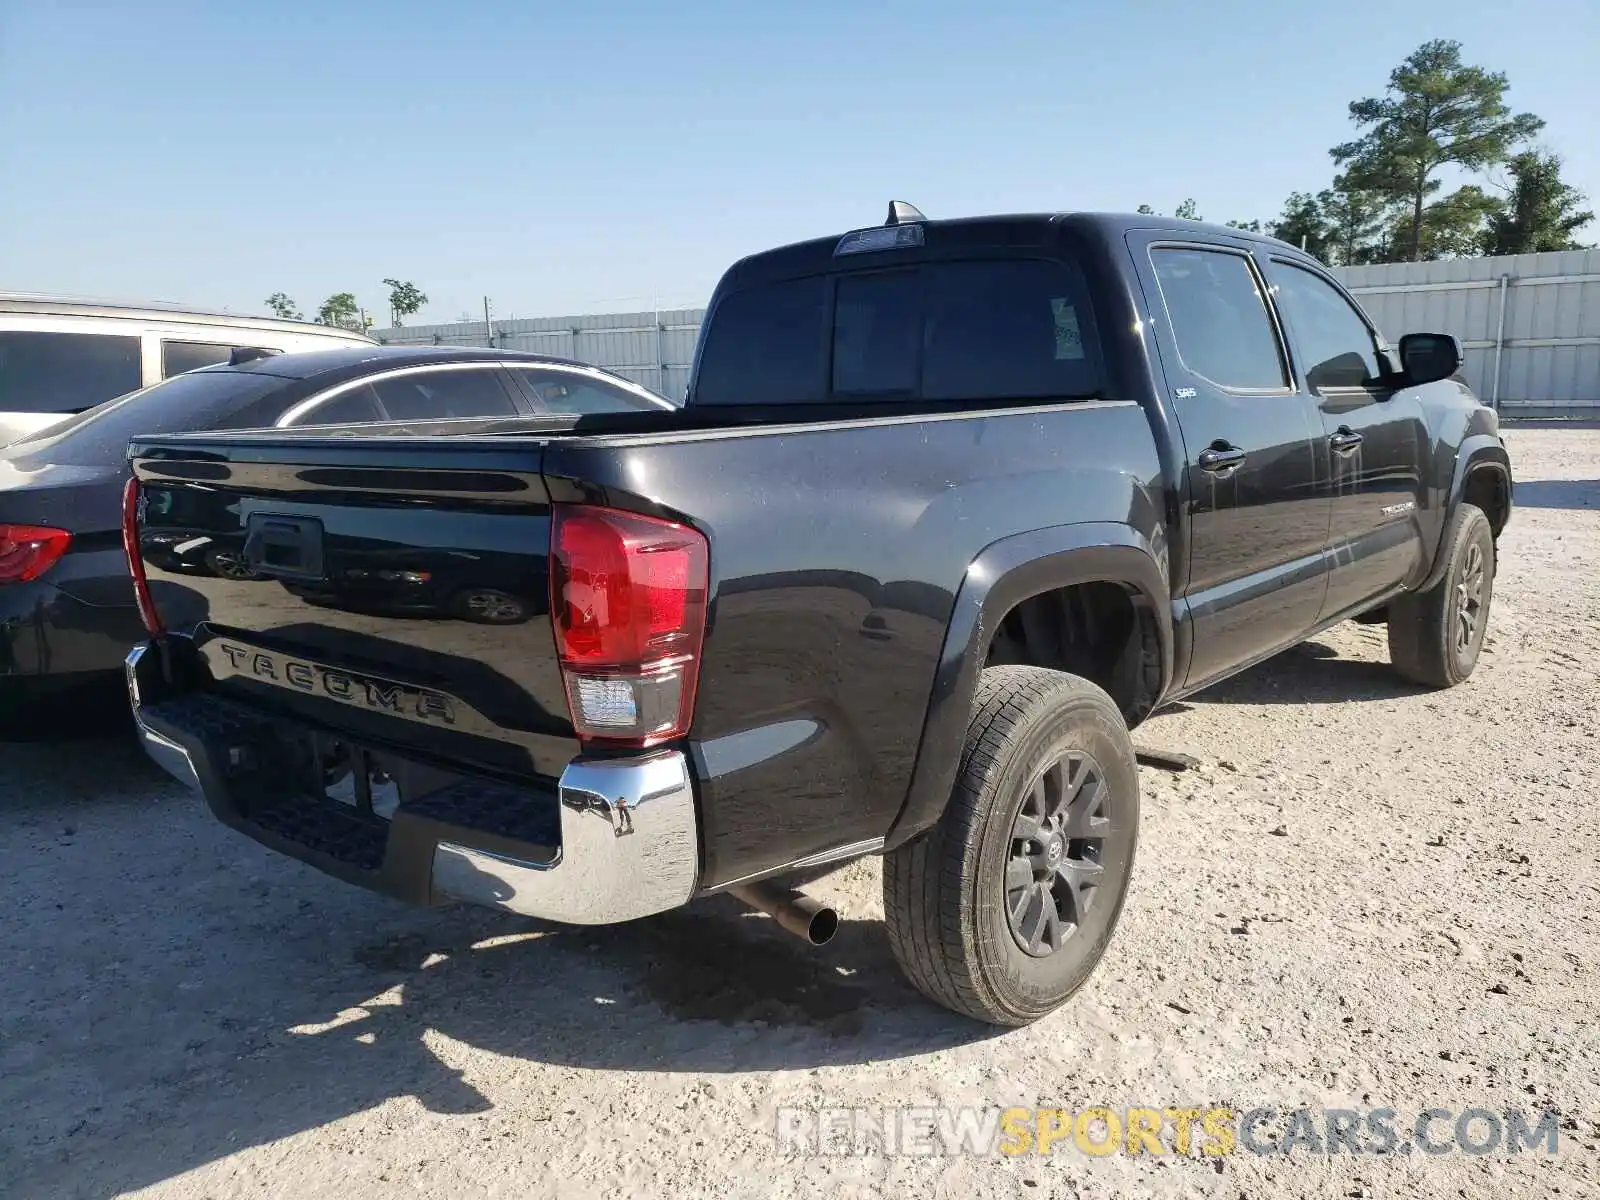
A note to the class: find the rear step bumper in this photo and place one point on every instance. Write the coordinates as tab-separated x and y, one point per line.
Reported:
626	843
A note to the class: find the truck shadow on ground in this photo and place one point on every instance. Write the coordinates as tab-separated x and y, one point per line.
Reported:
81	714
697	982
1557	493
261	1000
688	993
1311	673
252	999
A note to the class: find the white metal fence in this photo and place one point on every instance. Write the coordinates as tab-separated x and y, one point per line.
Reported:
652	348
1530	324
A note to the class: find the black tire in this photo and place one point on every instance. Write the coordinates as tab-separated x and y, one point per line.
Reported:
946	896
1435	636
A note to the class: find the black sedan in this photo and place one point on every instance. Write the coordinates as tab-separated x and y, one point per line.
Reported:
67	611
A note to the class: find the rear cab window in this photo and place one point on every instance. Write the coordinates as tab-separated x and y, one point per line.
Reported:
949	330
769	341
877	334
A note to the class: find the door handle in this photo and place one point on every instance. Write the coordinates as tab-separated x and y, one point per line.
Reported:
1345	440
1221	458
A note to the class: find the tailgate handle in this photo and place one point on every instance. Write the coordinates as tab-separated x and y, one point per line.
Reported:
284	547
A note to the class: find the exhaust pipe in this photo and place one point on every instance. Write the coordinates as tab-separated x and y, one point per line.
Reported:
794	911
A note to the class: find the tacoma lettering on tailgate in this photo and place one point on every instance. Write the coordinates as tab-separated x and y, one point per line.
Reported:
380	695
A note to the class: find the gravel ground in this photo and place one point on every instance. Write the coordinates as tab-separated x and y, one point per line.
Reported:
1364	896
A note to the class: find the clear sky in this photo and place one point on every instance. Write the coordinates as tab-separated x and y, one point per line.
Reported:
566	157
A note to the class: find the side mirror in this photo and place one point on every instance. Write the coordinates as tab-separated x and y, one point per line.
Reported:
1429	357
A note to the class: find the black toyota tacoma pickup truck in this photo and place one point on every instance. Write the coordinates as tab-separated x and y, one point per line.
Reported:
951	506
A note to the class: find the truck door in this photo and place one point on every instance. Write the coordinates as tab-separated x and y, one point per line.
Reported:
1374	436
1257	514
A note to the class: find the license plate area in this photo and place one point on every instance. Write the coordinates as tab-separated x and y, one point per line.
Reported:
358	779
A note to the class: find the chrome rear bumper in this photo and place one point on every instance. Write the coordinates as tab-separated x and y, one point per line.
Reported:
163	751
629	848
629	837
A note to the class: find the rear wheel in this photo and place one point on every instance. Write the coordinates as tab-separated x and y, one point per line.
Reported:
1435	636
489	606
227	565
1004	908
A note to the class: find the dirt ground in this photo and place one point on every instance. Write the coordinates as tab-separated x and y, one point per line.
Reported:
1365	896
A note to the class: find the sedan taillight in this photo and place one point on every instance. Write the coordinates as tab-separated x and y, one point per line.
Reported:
28	551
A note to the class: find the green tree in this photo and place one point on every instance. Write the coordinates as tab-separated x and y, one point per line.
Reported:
1187	211
405	299
1453	227
1356	228
340	309
1436	111
281	306
1541	213
1247	226
1303	223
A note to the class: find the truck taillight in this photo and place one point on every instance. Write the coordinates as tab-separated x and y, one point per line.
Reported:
130	548
628	601
28	551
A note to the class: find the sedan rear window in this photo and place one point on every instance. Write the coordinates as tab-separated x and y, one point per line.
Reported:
64	372
1012	329
199	400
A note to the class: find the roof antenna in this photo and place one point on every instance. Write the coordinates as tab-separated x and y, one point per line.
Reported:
901	213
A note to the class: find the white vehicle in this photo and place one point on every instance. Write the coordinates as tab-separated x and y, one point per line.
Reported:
59	356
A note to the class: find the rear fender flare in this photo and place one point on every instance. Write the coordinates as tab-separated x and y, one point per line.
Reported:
1003	575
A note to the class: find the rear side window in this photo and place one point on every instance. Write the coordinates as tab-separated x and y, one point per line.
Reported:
435	395
979	330
567	392
347	408
1219	318
65	372
178	357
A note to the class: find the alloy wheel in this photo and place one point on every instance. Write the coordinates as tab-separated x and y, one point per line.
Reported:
1055	864
1469	599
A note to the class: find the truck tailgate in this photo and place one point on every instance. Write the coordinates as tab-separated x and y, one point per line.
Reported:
394	589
